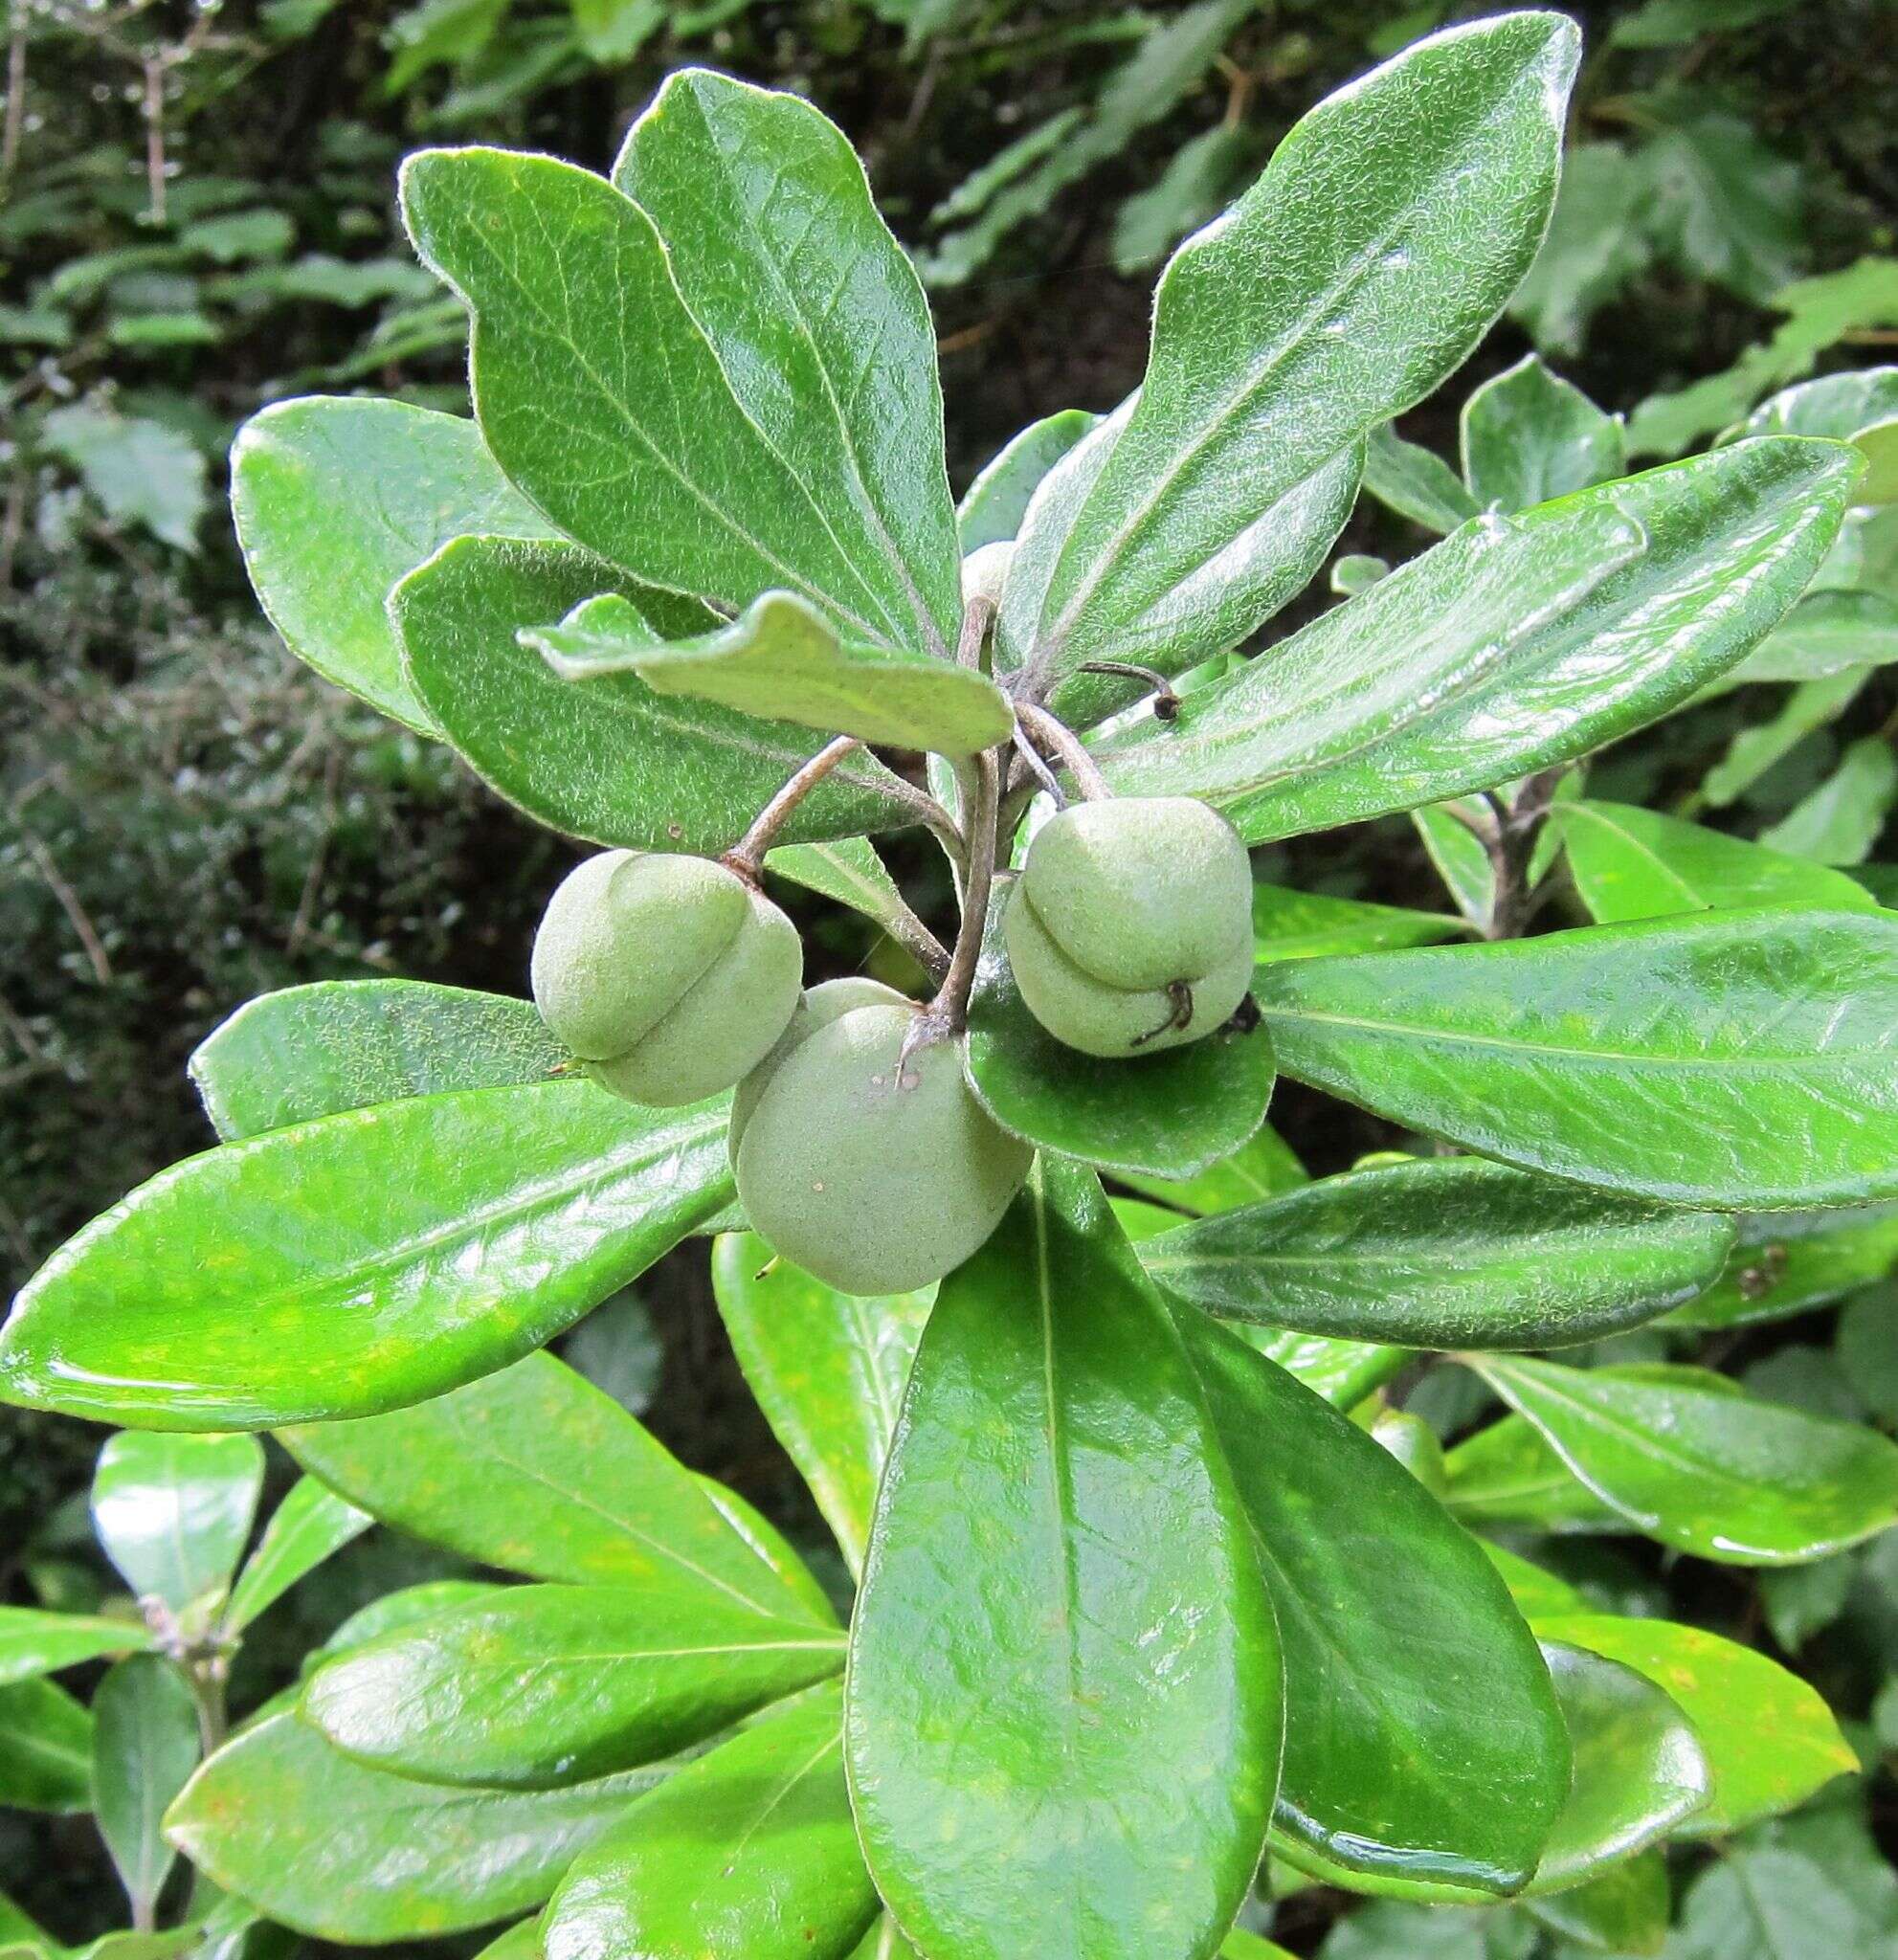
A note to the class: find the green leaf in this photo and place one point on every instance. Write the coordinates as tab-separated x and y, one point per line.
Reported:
1634	863
1726	207
1422	1735
535	1470
547	1686
612	762
1342	1372
18	1930
1529	436
1444	1253
1836	405
828	1369
995	502
45	1750
1638	1057
335	500
1623	1910
1173	1114
1261	1168
309	1524
340	1852
1784	1262
1826	632
819	323
1538	1594
1771	1903
750	1850
850	872
1595	243
1198	177
142	472
145	1744
1770	1741
1754	750
612	31
1280	340
1718	1475
1517	643
1504	1476
1840	820
32	1642
173	1513
782	658
1077	1753
1416	482
1302	926
361	1261
634	444
1638	1770
304	1052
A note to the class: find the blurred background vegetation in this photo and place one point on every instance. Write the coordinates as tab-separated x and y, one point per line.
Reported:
196	217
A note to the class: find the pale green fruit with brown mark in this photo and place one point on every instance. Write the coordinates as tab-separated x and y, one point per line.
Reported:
668	977
816	1008
1129	929
874	1185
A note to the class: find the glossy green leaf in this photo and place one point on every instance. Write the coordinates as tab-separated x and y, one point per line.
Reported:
1343	1371
782	658
1173	1114
1642	1057
1826	632
1077	1753
1326	301
1722	1476
1538	1593
19	1931
1443	1253
1421	1736
1261	1168
1769	1739
361	1261
173	1513
1459	857
145	1741
1639	1772
750	1850
828	1369
1416	482
1241	1945
1300	926
343	1852
1634	863
304	1052
1529	436
535	1470
882	1942
335	500
544	1685
32	1642
45	1749
634	444
1505	1477
819	323
850	872
1756	750
1836	405
1623	1910
309	1524
992	509
1517	643
612	762
1840	821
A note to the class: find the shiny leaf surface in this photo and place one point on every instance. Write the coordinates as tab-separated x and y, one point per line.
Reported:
750	1850
304	1052
1623	1910
1529	436
1722	1476
1825	634
819	323
173	1513
992	509
1416	482
1733	1059
849	872
546	1685
1443	1253
361	1261
1328	298
828	1369
45	1749
1300	926
1173	1114
1786	1261
1422	1735
342	1851
145	1743
1076	1754
309	1524
32	1642
782	658
535	1470
612	762
336	498
1515	644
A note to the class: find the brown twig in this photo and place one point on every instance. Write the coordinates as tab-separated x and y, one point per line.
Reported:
747	857
1055	736
69	904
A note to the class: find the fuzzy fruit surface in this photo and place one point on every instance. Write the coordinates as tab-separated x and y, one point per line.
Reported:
1131	927
668	977
875	1186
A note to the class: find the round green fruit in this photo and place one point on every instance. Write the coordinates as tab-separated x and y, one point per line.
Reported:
872	1184
668	977
1129	929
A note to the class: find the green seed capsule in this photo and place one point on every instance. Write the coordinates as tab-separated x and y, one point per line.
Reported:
1131	927
872	1184
668	977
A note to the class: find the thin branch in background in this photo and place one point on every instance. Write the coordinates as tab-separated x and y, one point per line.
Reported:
17	93
69	904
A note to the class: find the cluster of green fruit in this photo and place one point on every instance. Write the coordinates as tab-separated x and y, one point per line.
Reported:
858	1150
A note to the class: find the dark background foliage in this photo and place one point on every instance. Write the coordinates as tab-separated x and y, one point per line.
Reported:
196	217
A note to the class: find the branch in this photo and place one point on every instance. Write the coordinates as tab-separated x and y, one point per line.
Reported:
1058	738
